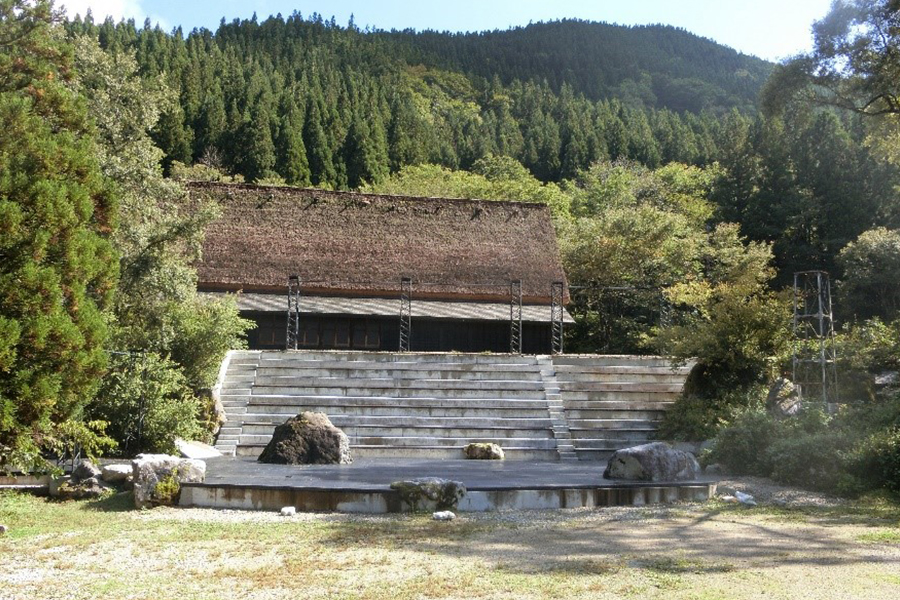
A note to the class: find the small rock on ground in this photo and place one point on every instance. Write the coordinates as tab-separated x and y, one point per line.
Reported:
288	511
443	515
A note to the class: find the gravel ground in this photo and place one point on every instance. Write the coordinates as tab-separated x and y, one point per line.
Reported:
826	549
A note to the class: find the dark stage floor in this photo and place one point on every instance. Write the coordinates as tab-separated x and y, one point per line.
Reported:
367	475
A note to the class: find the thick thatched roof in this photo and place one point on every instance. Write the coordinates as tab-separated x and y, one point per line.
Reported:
362	244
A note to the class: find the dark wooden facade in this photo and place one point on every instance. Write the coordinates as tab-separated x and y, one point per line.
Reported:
349	332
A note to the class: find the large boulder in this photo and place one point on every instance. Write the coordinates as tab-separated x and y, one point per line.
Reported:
83	484
85	469
158	478
307	439
71	488
783	400
430	493
656	461
483	451
116	473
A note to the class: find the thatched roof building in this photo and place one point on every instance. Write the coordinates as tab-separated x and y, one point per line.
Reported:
460	254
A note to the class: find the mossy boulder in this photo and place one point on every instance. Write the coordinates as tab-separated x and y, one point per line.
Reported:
483	451
307	439
429	494
656	461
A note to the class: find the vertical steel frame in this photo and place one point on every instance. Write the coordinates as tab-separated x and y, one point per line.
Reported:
292	338
556	317
405	313
515	316
814	357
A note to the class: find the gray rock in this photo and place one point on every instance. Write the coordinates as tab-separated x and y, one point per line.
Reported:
783	400
656	461
483	451
288	511
116	473
430	493
307	439
3	529
197	450
55	483
85	469
69	488
714	469
158	478
443	515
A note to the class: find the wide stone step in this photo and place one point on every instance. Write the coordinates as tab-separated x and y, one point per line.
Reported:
423	452
616	443
609	424
281	412
611	360
346	420
589	416
416	434
390	383
484	401
572	379
394	366
299	356
570	398
620	386
588	439
618	404
568	371
438	393
404	375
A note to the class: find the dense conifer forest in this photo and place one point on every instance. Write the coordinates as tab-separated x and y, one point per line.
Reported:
317	103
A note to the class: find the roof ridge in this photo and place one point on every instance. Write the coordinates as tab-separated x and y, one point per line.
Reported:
343	193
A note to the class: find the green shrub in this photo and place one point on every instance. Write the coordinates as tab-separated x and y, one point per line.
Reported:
811	460
742	447
696	416
876	460
147	403
167	490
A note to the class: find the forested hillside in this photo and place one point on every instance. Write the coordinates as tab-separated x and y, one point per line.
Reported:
315	103
658	66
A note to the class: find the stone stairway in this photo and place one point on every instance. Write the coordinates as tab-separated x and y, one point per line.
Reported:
429	405
614	402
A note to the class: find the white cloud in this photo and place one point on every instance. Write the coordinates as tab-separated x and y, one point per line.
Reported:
117	9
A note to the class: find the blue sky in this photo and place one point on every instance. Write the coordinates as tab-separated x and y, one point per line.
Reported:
771	29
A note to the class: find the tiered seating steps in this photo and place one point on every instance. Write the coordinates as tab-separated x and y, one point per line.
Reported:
431	405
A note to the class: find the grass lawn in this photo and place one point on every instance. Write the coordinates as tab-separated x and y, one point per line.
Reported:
713	551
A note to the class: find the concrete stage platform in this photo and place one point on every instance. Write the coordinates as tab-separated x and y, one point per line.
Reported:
364	486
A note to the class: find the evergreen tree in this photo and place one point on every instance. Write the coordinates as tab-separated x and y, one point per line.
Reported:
291	161
57	266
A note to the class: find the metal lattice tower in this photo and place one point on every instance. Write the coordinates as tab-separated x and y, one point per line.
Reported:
405	313
515	316
292	338
556	317
814	365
